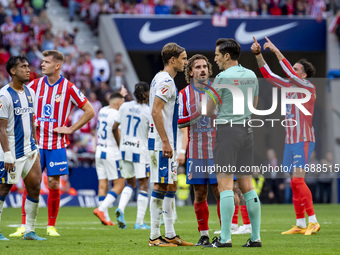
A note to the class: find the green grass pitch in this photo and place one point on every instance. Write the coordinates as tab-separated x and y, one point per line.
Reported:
82	233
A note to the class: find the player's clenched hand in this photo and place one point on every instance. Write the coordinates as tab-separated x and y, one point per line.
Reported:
167	150
269	45
63	130
255	47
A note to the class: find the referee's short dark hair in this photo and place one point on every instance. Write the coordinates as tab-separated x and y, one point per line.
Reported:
13	61
229	45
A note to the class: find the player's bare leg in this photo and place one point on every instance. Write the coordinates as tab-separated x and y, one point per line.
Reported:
110	198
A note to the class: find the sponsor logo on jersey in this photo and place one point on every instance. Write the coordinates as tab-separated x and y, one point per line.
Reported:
47	110
20	111
133	144
163	90
47	119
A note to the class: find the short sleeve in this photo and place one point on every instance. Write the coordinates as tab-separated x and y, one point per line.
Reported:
164	90
4	107
78	97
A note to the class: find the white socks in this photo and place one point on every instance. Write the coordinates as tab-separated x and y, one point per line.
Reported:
142	204
125	197
156	206
168	216
301	222
31	209
109	199
312	219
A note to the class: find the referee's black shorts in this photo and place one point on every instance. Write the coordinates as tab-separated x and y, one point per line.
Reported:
234	149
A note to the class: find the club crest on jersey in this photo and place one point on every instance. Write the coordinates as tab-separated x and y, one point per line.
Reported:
58	98
163	90
29	99
47	110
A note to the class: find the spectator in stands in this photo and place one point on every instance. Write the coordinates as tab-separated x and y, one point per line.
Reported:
300	8
38	5
36	27
118	80
161	8
3	80
118	63
96	104
6	29
288	8
17	40
27	15
44	21
16	16
175	7
263	10
73	6
144	8
2	15
206	7
69	68
184	10
98	63
4	56
47	42
34	56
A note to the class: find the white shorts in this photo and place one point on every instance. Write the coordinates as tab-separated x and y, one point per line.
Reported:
107	168
162	170
22	167
131	169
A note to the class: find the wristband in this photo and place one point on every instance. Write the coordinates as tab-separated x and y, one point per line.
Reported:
182	151
8	158
257	53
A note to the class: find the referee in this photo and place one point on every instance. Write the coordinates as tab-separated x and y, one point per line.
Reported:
234	146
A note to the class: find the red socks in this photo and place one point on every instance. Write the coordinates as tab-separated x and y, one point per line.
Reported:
53	201
302	198
244	213
218	211
235	216
202	215
23	213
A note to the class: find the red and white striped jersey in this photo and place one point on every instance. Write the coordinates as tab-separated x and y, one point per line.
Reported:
303	131
52	108
201	131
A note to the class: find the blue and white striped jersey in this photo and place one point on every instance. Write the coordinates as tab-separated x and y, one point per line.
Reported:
163	87
134	122
18	109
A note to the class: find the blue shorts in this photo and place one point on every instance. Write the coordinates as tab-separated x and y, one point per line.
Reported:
297	155
199	171
55	161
